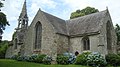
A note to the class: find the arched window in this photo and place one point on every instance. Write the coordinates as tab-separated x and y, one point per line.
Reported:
108	29
86	43
38	35
16	42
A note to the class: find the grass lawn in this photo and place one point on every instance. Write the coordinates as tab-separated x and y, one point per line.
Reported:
13	63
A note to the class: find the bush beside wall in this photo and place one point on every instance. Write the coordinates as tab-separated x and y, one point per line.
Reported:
3	48
61	59
37	58
113	59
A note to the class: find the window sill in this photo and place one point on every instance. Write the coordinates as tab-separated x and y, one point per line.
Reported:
37	51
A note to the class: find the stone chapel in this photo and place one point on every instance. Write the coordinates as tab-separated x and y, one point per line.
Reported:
51	35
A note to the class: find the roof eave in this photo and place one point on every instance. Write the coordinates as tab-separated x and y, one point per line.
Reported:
86	34
62	34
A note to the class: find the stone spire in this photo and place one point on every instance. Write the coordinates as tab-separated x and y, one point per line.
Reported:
24	11
23	18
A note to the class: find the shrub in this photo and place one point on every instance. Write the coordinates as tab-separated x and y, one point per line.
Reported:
82	58
96	60
32	58
23	58
3	48
39	58
20	58
26	58
113	59
14	57
61	59
71	57
47	60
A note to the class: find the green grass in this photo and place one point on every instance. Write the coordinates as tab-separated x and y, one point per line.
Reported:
13	63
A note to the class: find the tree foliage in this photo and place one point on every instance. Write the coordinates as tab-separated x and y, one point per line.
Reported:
1	4
3	48
117	30
3	19
83	12
3	22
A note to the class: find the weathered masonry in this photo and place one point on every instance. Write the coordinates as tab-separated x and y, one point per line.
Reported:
50	35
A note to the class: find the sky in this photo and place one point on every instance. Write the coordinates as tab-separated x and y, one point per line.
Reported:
59	8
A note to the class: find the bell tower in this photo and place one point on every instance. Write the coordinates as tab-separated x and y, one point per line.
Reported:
21	29
23	18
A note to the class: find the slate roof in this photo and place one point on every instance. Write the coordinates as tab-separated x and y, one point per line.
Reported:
58	24
82	25
86	24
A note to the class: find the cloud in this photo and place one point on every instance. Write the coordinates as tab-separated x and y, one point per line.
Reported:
39	4
45	3
59	8
12	9
113	6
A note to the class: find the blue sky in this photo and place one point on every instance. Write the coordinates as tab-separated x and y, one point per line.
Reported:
59	8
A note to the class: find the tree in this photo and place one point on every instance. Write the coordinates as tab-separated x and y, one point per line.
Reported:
83	12
1	4
3	19
3	48
3	22
117	30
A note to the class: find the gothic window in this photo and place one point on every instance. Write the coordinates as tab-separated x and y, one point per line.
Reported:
38	35
86	43
15	43
108	29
